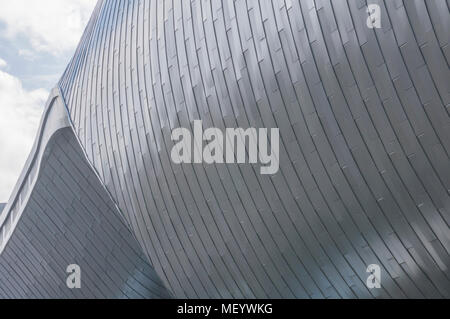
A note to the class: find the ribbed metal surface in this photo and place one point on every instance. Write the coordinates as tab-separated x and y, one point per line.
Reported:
364	119
68	220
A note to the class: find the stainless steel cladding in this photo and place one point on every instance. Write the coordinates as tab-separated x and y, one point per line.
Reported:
359	93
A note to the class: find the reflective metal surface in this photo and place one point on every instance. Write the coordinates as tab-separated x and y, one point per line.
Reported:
364	120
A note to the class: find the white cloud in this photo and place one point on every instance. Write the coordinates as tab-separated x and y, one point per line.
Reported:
53	26
49	26
27	54
3	63
20	113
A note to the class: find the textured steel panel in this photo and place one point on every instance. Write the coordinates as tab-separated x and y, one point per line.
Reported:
364	122
69	219
364	153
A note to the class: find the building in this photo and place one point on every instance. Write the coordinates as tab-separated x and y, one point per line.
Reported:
364	170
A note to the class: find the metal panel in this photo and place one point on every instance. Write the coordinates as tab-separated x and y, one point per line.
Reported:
69	219
364	126
364	149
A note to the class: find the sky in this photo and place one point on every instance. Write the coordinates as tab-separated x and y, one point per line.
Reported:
37	40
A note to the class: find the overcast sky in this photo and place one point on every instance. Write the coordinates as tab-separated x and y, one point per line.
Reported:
37	40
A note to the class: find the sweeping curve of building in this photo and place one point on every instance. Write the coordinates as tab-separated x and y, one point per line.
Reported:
364	144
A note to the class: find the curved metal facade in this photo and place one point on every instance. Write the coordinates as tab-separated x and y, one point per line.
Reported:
68	220
364	142
62	216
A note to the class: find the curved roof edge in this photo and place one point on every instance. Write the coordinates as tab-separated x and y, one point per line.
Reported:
55	117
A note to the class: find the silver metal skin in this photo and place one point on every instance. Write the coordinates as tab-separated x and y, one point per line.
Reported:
61	216
364	125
